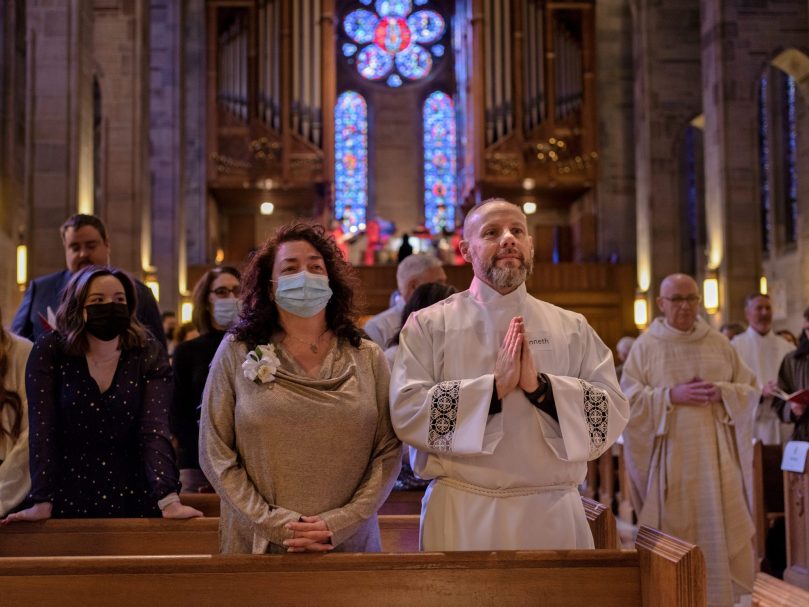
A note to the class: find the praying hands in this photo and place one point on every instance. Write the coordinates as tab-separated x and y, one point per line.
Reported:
514	365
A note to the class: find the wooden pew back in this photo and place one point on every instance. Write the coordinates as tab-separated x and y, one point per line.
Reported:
611	578
772	592
101	537
768	490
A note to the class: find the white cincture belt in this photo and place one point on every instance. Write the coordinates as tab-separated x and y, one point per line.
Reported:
513	492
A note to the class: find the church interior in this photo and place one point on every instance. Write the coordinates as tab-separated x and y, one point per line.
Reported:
640	138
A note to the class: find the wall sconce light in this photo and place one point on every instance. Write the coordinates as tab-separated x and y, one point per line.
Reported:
710	292
220	256
641	310
529	208
528	183
267	208
762	285
22	265
151	282
186	311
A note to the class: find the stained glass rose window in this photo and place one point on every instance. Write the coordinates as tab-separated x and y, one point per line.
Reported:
390	41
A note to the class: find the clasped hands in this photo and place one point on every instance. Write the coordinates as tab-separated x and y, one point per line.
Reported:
309	534
695	393
514	365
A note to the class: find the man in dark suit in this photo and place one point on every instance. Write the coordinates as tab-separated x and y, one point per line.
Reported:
85	240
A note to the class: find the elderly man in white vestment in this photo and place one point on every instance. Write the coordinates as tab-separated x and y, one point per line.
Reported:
762	350
688	443
503	398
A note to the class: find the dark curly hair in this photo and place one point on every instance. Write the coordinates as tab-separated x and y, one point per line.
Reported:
259	316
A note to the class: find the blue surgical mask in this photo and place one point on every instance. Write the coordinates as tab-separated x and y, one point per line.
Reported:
303	294
225	311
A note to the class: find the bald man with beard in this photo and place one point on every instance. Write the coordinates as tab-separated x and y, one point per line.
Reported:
688	443
503	398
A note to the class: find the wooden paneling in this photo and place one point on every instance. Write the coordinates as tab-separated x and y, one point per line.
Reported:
603	293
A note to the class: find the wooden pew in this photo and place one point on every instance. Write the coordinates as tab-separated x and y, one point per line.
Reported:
768	490
796	499
662	572
109	537
772	592
398	502
207	503
602	525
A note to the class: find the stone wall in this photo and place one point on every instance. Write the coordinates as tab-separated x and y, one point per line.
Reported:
738	41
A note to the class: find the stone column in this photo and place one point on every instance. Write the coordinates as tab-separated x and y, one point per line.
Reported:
167	241
13	121
666	49
616	181
122	72
60	170
195	93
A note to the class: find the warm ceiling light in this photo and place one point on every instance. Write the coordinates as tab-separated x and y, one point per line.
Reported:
762	285
267	208
22	264
710	294
529	208
152	283
641	311
186	311
528	184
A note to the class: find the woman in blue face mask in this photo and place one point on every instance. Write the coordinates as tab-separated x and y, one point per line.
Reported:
295	433
216	309
98	394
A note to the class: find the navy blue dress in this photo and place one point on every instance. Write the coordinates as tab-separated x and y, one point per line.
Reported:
99	454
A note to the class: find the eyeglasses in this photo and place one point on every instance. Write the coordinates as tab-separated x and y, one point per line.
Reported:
225	291
679	300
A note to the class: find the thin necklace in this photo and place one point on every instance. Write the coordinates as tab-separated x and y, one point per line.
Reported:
312	345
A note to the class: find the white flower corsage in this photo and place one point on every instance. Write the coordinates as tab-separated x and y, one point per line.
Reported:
261	364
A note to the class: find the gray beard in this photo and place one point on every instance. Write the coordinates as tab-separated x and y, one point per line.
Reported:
507	278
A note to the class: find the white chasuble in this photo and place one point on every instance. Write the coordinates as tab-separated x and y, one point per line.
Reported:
691	466
506	481
763	355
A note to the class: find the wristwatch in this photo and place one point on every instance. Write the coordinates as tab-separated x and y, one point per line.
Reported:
538	395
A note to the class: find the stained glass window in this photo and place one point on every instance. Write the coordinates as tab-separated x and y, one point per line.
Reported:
351	160
392	42
763	164
440	162
790	161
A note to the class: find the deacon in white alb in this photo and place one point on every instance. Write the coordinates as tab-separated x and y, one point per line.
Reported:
503	398
762	351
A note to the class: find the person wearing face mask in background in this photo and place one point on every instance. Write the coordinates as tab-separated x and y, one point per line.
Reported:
216	309
295	432
98	392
